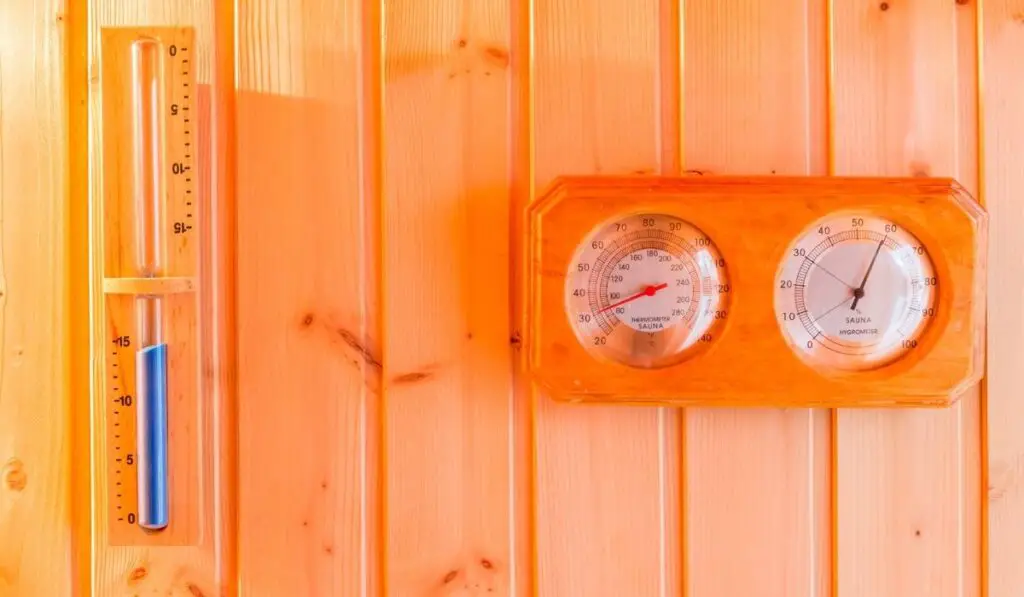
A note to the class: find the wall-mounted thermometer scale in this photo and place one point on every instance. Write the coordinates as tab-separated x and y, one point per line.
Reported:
645	288
145	263
761	291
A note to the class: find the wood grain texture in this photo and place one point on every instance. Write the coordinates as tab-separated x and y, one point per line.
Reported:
448	410
907	509
79	280
607	478
181	569
1003	178
521	189
601	95
753	103
35	501
218	220
971	462
308	329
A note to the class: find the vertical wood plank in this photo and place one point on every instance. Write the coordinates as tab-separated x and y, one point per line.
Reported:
521	187
757	481
219	296
77	272
1003	148
35	508
308	337
607	478
971	461
448	413
188	569
908	508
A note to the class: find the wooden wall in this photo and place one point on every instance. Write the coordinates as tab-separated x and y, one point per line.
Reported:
364	168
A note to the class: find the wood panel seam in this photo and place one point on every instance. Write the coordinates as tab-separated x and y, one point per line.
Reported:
78	191
525	394
983	439
830	166
374	565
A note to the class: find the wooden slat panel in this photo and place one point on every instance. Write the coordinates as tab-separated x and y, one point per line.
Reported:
606	485
448	411
309	356
1003	150
907	517
78	339
164	569
757	481
521	191
970	439
35	508
218	219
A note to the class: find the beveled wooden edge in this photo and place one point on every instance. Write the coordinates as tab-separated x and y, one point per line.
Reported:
938	188
980	216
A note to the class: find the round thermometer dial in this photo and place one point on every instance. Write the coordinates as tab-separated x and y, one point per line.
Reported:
855	292
643	289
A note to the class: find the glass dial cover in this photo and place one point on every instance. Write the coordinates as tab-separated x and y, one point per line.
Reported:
855	292
644	289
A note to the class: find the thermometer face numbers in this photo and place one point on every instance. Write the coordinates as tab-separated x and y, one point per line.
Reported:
643	289
855	292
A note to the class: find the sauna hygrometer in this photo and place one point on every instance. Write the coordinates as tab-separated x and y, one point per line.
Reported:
755	291
856	291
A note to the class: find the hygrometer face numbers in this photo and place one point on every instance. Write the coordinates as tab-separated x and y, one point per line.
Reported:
855	292
645	288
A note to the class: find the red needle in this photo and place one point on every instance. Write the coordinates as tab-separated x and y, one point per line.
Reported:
649	291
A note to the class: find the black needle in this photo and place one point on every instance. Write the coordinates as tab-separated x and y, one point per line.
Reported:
822	316
858	293
816	264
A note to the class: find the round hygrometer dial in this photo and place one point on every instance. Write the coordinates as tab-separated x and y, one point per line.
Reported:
855	292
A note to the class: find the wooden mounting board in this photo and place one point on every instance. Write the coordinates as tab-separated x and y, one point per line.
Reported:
753	221
116	286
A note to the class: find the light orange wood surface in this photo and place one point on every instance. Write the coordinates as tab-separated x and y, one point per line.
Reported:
309	343
364	169
595	94
447	403
35	394
907	509
1001	180
754	103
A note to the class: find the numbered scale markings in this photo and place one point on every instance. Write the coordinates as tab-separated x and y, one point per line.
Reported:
644	289
855	292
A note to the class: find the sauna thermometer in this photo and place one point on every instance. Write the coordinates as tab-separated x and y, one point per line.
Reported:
766	291
644	288
145	255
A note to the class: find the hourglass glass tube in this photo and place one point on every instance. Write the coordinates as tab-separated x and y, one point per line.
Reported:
151	358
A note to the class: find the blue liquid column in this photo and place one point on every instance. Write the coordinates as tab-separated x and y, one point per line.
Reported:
151	435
